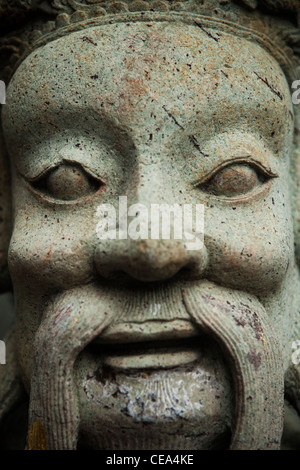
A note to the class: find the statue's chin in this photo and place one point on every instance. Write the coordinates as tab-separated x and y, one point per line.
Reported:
188	406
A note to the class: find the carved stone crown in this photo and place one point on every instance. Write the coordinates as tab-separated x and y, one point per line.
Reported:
27	24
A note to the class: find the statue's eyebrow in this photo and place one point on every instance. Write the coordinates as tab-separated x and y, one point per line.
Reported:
265	113
99	125
55	116
272	128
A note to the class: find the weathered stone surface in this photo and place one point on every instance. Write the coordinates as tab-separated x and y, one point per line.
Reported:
140	342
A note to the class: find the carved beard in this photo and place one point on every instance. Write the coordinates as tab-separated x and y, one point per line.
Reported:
236	321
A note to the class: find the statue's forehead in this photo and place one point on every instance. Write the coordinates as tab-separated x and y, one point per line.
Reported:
138	47
136	61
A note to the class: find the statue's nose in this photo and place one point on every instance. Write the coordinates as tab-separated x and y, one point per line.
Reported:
161	239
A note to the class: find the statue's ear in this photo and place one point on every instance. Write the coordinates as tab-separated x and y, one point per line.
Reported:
5	215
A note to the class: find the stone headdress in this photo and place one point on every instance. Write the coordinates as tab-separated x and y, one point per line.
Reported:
27	24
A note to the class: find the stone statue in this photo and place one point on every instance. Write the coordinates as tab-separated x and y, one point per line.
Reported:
137	342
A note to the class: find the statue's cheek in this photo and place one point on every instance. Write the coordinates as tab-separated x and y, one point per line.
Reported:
46	262
249	264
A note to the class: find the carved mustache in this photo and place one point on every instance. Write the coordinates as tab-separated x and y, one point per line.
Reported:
242	327
69	324
236	320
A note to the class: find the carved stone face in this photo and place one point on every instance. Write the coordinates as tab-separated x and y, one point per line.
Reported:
160	113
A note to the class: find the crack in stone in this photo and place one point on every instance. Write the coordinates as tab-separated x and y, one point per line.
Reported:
206	32
277	93
172	117
194	141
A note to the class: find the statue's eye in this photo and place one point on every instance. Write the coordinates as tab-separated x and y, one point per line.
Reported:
67	182
235	180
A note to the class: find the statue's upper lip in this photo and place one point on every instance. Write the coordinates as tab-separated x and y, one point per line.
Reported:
150	330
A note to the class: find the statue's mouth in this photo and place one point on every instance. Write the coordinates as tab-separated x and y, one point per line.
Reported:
148	355
147	345
150	344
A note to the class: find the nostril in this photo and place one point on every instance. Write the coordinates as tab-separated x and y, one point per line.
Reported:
134	278
149	261
152	273
152	260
